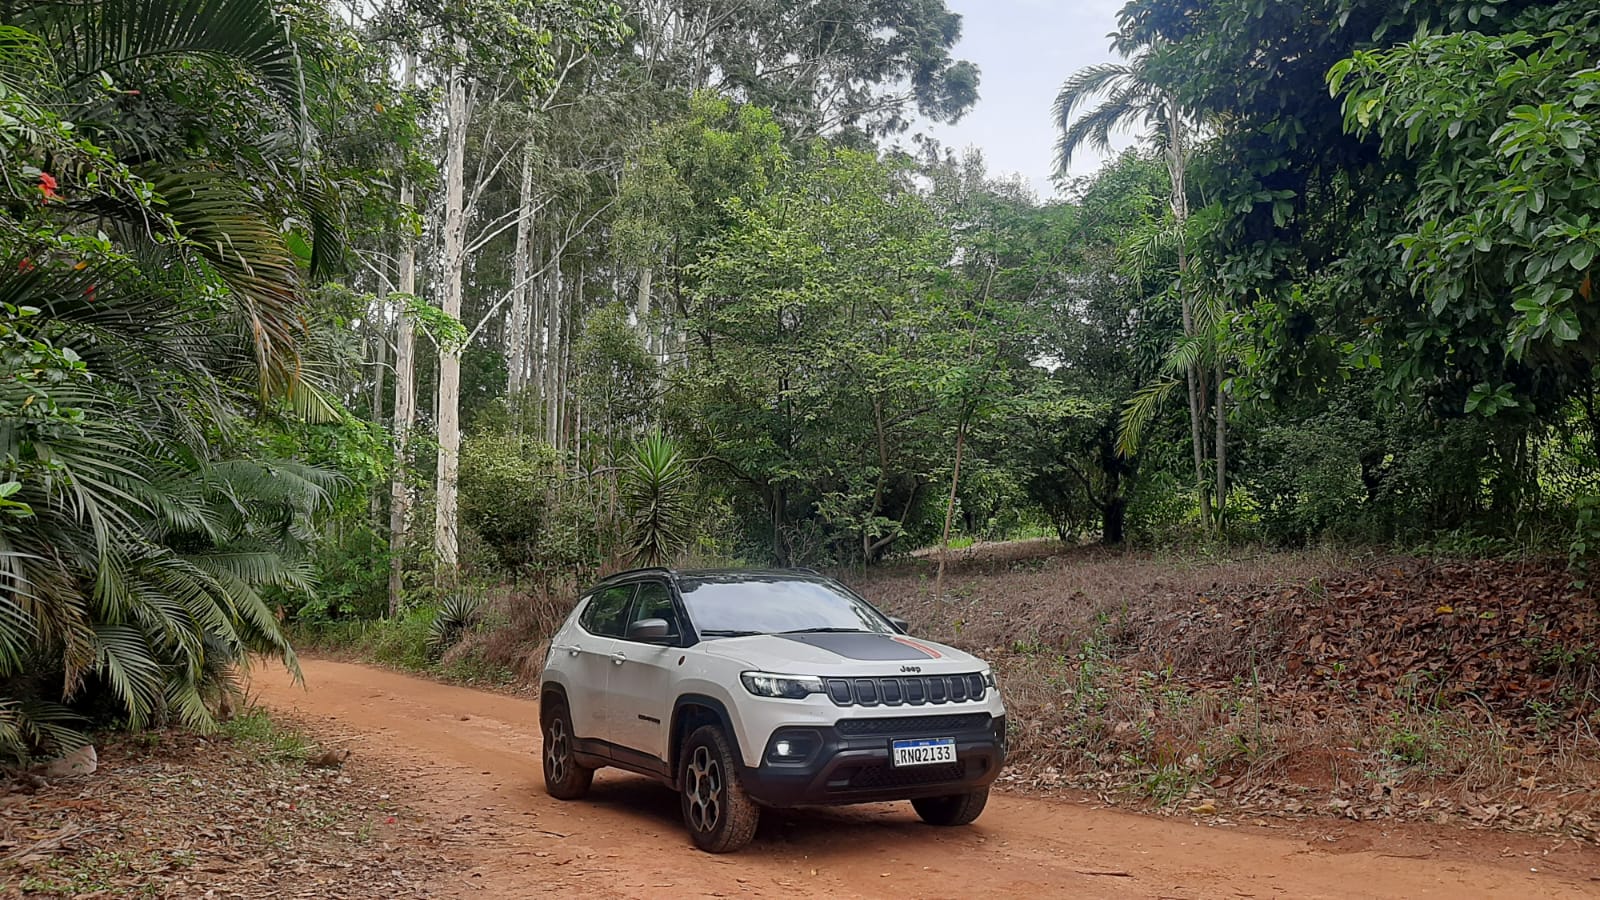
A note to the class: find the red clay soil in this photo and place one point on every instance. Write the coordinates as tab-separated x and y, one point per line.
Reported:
473	757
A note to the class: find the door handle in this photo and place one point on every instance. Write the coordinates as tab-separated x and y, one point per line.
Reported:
573	649
618	658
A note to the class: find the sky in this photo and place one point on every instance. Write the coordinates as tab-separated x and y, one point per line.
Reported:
1024	49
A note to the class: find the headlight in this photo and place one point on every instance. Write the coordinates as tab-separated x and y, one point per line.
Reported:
988	679
788	687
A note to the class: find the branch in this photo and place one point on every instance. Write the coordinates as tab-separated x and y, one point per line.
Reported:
555	257
506	222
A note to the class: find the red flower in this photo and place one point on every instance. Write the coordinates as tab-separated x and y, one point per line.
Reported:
47	186
26	265
89	292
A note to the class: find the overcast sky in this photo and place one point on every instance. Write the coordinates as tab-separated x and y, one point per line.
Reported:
1025	49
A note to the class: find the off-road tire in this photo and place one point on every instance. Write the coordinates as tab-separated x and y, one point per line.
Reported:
719	815
955	809
564	777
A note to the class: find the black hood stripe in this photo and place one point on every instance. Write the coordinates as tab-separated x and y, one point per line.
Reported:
866	646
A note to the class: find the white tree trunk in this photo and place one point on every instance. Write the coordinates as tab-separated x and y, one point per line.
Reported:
641	310
552	352
444	525
538	306
517	324
405	388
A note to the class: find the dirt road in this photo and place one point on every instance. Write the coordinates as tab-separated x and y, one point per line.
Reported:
473	758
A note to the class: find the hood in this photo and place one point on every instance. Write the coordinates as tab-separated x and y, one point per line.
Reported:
842	653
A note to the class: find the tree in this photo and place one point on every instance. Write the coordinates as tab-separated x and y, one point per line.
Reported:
1133	96
825	317
821	66
502	45
1501	237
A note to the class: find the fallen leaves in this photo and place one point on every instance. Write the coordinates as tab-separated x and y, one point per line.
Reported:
179	815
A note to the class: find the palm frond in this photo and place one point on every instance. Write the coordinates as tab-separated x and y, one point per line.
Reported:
120	36
1127	99
1140	410
132	671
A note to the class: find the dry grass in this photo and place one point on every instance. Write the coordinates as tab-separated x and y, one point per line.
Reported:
1039	595
512	631
1112	685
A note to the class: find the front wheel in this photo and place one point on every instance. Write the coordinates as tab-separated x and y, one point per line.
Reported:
720	816
564	777
956	809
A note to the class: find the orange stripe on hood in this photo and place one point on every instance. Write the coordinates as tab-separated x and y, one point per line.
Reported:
915	645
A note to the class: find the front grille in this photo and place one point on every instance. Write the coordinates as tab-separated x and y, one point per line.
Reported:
909	690
883	775
915	725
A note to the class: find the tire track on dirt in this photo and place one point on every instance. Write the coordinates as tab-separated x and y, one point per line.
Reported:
473	758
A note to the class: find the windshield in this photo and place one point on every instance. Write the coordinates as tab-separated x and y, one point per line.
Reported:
725	606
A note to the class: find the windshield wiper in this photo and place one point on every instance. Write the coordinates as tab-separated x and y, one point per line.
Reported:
827	631
727	632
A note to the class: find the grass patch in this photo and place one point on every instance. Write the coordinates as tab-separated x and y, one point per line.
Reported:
107	872
498	642
257	731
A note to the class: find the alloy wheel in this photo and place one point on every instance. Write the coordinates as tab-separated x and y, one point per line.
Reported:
557	751
704	790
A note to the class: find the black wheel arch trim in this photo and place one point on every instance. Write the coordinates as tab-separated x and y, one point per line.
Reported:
718	709
547	689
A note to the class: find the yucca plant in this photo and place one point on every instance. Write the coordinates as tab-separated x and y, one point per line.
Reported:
451	622
657	501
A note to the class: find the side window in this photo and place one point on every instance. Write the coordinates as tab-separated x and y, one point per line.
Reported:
655	602
607	614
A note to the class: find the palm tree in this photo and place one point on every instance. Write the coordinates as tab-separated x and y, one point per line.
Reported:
154	301
1129	96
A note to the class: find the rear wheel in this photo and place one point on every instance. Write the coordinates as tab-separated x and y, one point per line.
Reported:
720	816
564	777
956	809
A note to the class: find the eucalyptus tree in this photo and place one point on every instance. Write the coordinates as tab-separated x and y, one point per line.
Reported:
484	53
822	66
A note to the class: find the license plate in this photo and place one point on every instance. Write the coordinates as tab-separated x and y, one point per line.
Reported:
923	752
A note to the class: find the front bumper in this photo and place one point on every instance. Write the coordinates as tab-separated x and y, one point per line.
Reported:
849	762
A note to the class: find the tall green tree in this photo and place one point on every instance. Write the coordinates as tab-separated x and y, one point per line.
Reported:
1130	96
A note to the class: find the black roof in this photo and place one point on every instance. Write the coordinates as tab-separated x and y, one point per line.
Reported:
722	574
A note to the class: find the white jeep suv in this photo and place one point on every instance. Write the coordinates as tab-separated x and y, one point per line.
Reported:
748	689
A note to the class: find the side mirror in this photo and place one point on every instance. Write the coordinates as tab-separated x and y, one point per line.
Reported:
902	624
649	631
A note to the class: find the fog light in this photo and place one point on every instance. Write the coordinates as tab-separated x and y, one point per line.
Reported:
791	746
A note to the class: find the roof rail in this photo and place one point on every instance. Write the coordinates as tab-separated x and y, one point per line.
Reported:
806	570
639	571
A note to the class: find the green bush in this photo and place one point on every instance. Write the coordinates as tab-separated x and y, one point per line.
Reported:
506	483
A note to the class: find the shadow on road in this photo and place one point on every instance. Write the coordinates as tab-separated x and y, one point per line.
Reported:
811	831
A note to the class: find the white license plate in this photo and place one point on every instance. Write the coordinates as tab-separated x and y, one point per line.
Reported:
923	752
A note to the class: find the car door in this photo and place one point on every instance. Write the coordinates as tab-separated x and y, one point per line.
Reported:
589	650
641	684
